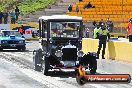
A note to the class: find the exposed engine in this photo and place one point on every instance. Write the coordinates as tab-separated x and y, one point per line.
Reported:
65	52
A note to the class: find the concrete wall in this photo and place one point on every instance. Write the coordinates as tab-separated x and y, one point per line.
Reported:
118	35
117	50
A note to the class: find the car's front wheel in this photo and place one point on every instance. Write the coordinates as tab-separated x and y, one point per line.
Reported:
36	62
45	66
81	80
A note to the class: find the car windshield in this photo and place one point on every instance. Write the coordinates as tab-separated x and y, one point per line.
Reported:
8	33
64	29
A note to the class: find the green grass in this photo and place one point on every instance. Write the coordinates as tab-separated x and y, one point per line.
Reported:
27	6
33	5
5	3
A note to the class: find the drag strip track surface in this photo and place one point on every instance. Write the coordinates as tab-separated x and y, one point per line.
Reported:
12	77
55	79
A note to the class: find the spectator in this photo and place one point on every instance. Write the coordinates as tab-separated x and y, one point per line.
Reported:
77	8
13	17
5	16
21	30
94	23
130	30
38	33
33	34
86	32
70	8
1	16
89	5
80	0
110	25
90	33
101	22
17	13
82	32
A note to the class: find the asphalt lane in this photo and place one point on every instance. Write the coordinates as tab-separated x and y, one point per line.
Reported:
11	77
67	79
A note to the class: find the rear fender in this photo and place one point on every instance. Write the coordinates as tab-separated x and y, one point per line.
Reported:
53	60
87	58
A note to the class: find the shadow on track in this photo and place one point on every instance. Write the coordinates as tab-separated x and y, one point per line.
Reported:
62	74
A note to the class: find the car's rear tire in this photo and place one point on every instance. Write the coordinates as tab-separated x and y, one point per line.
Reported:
45	66
81	80
36	61
89	60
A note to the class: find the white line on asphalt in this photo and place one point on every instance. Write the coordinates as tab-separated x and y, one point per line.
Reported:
19	55
48	81
97	85
51	82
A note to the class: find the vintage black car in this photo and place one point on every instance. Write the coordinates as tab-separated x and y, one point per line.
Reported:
60	44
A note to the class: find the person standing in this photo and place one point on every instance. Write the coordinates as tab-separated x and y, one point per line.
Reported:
129	30
94	23
110	25
77	8
5	16
1	16
70	8
33	34
86	32
21	30
103	36
13	17
17	13
97	28
101	22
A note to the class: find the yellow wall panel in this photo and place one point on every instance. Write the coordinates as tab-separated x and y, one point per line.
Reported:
116	50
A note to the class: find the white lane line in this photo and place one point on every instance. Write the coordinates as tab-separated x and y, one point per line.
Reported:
21	56
97	85
102	72
48	81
